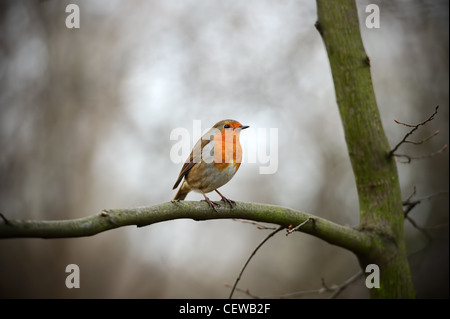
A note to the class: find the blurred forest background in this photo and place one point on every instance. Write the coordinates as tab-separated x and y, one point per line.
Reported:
86	115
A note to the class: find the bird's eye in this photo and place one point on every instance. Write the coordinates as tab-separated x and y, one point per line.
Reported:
226	126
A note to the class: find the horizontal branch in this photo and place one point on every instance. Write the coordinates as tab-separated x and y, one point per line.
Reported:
335	234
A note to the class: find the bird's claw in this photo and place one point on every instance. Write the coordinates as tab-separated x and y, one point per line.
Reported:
232	203
212	204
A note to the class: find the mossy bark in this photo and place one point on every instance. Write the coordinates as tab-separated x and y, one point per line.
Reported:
335	234
381	210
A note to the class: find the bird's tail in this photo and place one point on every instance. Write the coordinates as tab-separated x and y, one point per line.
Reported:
182	192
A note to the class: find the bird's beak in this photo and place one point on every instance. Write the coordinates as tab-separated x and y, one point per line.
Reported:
243	127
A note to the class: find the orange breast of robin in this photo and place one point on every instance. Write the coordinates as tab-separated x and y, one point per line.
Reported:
227	150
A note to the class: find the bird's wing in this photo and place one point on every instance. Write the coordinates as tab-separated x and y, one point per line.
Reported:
194	158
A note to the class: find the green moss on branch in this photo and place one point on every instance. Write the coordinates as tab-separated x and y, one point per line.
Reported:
335	234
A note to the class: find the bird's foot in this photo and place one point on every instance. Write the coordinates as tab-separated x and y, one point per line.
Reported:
230	202
211	203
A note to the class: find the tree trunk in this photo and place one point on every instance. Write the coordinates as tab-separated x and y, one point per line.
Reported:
381	210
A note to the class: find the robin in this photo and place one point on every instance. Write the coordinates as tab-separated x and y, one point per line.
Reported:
214	160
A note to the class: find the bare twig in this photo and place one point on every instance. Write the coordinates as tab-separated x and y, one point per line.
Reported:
419	228
250	257
258	225
423	140
410	158
290	230
4	219
246	291
325	287
412	195
410	204
405	140
336	289
345	284
414	128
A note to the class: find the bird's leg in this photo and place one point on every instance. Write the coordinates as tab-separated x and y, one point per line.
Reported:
211	203
226	200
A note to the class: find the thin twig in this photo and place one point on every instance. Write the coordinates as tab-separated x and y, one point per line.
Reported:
410	158
409	206
409	203
250	257
433	227
325	287
414	128
421	229
258	225
4	219
345	284
423	140
414	192
290	230
246	291
336	289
